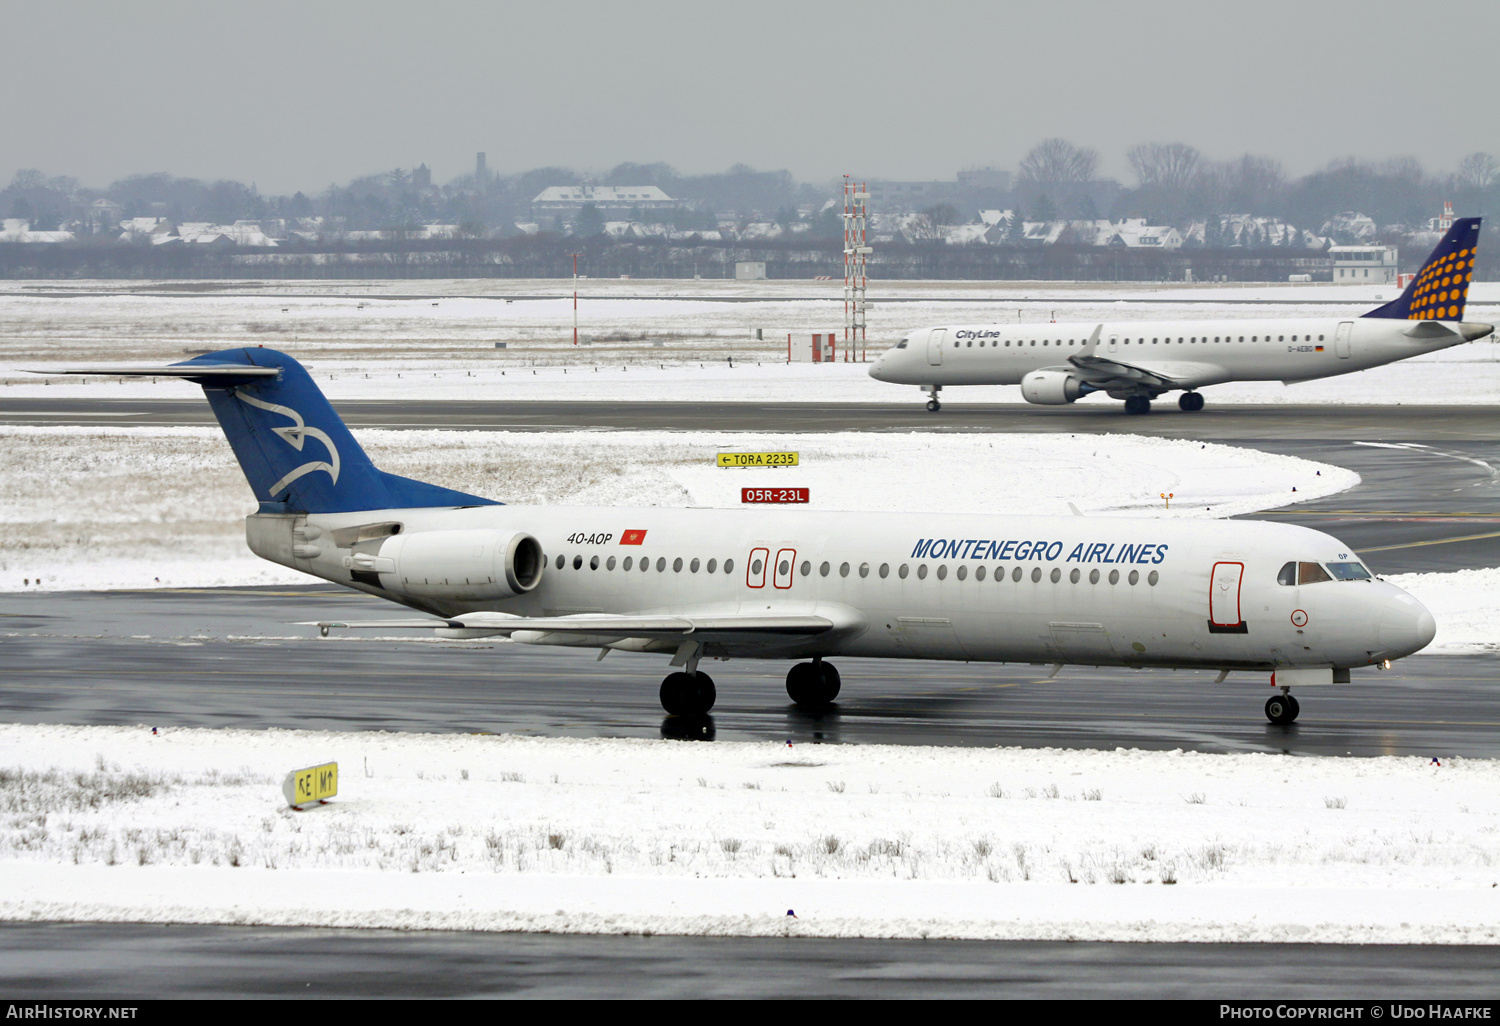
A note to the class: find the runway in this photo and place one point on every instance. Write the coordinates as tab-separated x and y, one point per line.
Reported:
89	961
234	658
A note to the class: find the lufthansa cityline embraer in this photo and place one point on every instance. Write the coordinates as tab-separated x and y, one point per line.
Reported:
1137	361
794	584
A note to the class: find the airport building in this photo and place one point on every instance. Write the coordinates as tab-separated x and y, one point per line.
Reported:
1363	265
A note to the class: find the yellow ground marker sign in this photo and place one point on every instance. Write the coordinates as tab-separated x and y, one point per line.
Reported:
314	784
757	459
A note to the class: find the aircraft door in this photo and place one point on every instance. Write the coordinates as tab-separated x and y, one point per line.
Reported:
1224	599
935	339
1341	339
755	568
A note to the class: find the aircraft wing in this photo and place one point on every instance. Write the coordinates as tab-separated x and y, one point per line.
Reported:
607	625
1108	372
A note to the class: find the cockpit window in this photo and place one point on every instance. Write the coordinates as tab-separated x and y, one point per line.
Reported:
1311	573
901	344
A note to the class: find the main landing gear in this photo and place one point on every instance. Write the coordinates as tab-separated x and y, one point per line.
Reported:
1190	402
1282	709
813	686
688	694
1137	404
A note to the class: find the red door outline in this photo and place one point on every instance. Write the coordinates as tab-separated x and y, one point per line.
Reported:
791	568
750	577
1213	582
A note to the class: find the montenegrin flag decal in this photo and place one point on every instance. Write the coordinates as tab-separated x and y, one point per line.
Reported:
633	538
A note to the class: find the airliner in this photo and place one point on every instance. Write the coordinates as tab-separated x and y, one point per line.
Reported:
791	584
1137	361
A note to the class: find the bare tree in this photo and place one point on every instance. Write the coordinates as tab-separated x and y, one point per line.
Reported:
1054	162
1477	171
1170	167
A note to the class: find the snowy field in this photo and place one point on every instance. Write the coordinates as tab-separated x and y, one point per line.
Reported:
616	836
437	339
97	508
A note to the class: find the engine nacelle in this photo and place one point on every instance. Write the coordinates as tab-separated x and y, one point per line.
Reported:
1053	387
469	565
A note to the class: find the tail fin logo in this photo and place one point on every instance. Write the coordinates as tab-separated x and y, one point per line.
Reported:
296	436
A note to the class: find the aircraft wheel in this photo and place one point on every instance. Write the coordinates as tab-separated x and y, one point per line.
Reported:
1281	709
688	694
1190	402
813	686
1137	404
933	406
1296	706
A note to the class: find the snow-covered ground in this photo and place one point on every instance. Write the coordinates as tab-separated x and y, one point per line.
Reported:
141	507
510	833
437	339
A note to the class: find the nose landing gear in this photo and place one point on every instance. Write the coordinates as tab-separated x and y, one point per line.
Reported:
1282	709
932	400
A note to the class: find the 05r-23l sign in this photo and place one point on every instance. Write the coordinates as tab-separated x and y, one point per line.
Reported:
757	459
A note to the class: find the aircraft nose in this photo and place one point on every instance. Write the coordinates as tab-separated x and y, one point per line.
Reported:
1406	626
875	368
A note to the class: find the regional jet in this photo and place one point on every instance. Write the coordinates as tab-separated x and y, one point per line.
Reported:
1137	361
800	586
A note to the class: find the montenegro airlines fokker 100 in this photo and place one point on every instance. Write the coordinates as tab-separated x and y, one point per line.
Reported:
794	585
1137	361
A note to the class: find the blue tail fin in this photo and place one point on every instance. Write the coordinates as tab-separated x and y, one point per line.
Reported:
295	451
1441	288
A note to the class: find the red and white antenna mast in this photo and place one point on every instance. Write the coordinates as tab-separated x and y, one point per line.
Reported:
1446	221
856	248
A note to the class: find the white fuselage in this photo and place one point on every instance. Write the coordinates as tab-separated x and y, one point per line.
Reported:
1101	591
1191	353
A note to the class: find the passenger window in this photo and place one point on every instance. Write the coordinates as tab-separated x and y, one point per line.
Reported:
1114	577
922	572
594	563
806	568
1056	575
729	566
755	567
963	572
1135	575
901	573
1287	575
577	562
1015	574
1311	573
843	569
1152	578
885	570
562	561
979	573
677	565
629	562
822	570
661	564
1036	575
609	564
713	564
693	566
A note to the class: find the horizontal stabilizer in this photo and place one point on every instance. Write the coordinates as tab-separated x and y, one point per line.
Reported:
211	372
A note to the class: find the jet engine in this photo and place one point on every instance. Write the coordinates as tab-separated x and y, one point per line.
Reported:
1054	387
469	565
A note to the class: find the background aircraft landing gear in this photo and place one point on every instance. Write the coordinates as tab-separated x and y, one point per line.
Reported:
1282	709
688	694
1190	402
1137	404
813	686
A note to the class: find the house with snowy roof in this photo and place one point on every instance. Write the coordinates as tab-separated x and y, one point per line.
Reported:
614	202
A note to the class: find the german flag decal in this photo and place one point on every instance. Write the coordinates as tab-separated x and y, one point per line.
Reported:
1319	348
633	538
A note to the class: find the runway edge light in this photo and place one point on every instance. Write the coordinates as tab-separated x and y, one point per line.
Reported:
315	784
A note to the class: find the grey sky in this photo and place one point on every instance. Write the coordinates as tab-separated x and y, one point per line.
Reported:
295	95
